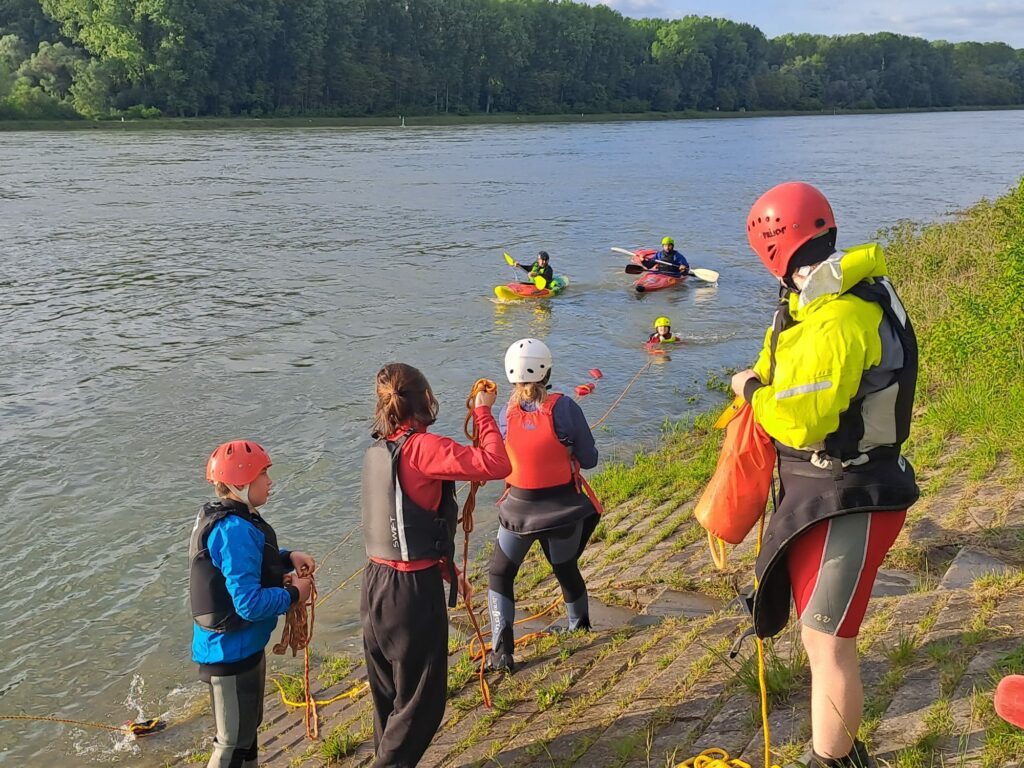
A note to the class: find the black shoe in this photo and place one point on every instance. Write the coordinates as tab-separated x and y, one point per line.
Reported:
858	758
501	662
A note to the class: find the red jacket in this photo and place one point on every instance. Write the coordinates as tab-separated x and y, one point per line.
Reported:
427	459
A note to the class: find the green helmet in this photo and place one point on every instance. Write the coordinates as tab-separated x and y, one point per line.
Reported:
662	321
667	241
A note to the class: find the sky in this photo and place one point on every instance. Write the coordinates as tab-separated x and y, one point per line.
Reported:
953	20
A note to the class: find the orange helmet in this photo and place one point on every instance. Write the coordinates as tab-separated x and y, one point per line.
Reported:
237	463
783	219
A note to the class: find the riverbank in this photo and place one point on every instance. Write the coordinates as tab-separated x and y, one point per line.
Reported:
221	123
654	684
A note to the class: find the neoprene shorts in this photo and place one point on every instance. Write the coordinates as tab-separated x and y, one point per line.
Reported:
832	568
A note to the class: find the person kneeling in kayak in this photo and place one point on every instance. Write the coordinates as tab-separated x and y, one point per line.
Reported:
409	514
540	268
668	260
663	332
546	498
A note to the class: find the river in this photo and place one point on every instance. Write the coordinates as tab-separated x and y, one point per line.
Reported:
165	291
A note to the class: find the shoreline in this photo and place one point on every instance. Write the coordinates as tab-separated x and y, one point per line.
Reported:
240	122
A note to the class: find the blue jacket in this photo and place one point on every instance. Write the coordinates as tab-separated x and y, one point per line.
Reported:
236	550
681	265
570	426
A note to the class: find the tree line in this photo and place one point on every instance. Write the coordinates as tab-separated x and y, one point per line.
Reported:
107	58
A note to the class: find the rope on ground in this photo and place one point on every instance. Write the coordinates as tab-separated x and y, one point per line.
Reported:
297	635
476	653
352	693
713	758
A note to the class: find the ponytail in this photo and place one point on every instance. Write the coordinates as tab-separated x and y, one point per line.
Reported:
403	396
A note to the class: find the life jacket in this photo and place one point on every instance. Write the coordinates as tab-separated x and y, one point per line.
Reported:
394	526
658	339
546	490
843	478
212	606
538	457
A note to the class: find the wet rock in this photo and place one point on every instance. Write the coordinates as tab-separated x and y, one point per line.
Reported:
969	566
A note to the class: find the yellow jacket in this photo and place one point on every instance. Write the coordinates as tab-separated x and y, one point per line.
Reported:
835	348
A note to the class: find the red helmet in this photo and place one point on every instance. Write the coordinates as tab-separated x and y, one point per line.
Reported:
237	463
783	219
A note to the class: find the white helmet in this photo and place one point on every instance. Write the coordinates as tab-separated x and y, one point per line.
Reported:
527	361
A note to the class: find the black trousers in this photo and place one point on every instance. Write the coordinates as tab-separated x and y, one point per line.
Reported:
405	640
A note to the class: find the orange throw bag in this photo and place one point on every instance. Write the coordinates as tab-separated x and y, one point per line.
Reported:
735	498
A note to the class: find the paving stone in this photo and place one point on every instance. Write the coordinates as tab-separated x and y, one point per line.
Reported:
889	583
969	566
676	603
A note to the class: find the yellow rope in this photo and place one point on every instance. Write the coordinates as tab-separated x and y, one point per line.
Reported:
349	694
713	758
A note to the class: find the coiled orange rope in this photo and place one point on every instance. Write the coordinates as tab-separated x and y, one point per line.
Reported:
297	635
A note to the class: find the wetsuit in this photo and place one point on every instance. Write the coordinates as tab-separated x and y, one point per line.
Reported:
536	269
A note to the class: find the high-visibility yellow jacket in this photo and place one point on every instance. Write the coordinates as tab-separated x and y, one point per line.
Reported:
837	347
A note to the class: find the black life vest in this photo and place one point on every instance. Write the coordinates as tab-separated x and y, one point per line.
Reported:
397	528
212	607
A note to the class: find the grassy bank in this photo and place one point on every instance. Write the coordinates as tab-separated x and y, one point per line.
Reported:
963	284
226	123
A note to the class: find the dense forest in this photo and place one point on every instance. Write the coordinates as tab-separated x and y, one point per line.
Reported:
143	58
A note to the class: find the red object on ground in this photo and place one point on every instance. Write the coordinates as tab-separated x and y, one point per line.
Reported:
1010	699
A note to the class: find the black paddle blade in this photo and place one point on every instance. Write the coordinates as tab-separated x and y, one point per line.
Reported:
635	269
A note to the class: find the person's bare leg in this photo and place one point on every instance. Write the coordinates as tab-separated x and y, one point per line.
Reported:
837	693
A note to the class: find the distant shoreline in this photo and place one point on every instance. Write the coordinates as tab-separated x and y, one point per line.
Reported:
219	123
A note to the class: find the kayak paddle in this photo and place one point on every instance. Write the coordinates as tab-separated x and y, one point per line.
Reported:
538	280
707	275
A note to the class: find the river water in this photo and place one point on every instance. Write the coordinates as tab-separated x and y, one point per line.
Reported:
165	291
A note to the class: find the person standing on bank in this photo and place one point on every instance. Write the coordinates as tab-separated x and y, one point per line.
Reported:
237	589
834	387
546	499
409	514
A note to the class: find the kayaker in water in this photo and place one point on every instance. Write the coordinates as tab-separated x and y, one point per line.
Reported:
663	332
540	268
546	499
668	259
237	590
834	387
409	515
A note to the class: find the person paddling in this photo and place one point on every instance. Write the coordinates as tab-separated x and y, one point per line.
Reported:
663	332
540	268
546	499
834	387
668	260
409	515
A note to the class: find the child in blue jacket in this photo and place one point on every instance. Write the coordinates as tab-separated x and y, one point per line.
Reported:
237	590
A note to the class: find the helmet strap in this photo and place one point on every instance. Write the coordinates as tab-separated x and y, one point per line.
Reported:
242	492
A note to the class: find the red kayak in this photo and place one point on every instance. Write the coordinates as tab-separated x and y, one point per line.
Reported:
653	281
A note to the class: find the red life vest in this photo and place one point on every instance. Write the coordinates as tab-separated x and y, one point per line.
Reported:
539	460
